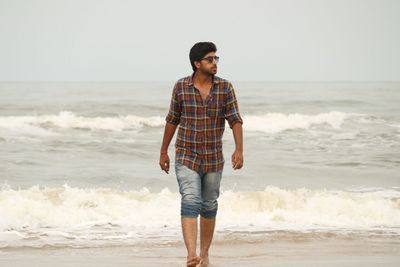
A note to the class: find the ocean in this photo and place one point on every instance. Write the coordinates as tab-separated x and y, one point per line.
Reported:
79	164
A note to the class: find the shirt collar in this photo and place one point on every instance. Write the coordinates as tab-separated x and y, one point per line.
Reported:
190	80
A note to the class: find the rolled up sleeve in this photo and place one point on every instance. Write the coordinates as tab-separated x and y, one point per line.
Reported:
175	109
232	114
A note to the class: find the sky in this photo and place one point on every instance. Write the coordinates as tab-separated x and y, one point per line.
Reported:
128	40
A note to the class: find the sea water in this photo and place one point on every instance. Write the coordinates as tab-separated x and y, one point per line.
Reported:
79	163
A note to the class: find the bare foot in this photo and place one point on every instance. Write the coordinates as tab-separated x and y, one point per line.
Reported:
192	261
204	261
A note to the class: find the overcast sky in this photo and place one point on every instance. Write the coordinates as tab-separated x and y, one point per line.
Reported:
127	40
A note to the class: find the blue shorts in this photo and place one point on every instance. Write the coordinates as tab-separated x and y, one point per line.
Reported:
199	191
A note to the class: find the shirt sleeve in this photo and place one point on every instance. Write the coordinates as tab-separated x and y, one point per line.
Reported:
232	108
175	109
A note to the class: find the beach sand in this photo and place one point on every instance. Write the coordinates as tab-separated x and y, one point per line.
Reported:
315	252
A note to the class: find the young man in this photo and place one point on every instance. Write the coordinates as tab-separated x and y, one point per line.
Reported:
200	105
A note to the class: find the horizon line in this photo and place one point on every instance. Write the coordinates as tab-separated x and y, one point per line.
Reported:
165	81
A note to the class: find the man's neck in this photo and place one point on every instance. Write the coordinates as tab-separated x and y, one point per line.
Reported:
202	79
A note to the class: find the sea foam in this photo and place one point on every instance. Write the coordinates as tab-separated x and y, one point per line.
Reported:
269	122
75	214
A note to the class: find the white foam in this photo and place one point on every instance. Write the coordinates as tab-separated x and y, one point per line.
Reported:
278	122
304	208
69	120
268	123
71	214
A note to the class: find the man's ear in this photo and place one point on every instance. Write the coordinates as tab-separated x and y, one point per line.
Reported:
197	64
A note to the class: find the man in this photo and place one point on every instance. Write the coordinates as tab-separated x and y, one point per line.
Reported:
200	105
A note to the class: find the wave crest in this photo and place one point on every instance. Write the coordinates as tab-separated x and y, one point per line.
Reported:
268	123
279	122
58	216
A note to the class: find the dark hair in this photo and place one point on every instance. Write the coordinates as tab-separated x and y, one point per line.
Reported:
199	50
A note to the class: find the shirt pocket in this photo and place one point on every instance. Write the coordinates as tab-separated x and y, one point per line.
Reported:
214	110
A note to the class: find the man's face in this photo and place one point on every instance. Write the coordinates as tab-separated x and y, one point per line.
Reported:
208	65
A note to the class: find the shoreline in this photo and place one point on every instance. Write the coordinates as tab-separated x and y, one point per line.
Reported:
310	252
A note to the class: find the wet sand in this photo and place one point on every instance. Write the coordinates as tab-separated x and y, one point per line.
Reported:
324	252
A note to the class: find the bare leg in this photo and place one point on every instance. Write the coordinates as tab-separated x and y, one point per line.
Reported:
189	230
206	234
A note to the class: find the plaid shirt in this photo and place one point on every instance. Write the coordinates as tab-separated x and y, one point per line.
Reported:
202	123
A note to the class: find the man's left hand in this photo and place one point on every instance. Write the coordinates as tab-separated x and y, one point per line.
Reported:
237	160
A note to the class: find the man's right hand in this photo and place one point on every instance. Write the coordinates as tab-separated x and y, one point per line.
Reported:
164	162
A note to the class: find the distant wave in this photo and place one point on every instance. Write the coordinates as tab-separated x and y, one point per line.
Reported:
69	120
278	122
268	123
84	216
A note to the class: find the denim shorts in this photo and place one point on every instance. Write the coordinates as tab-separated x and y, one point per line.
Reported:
199	191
